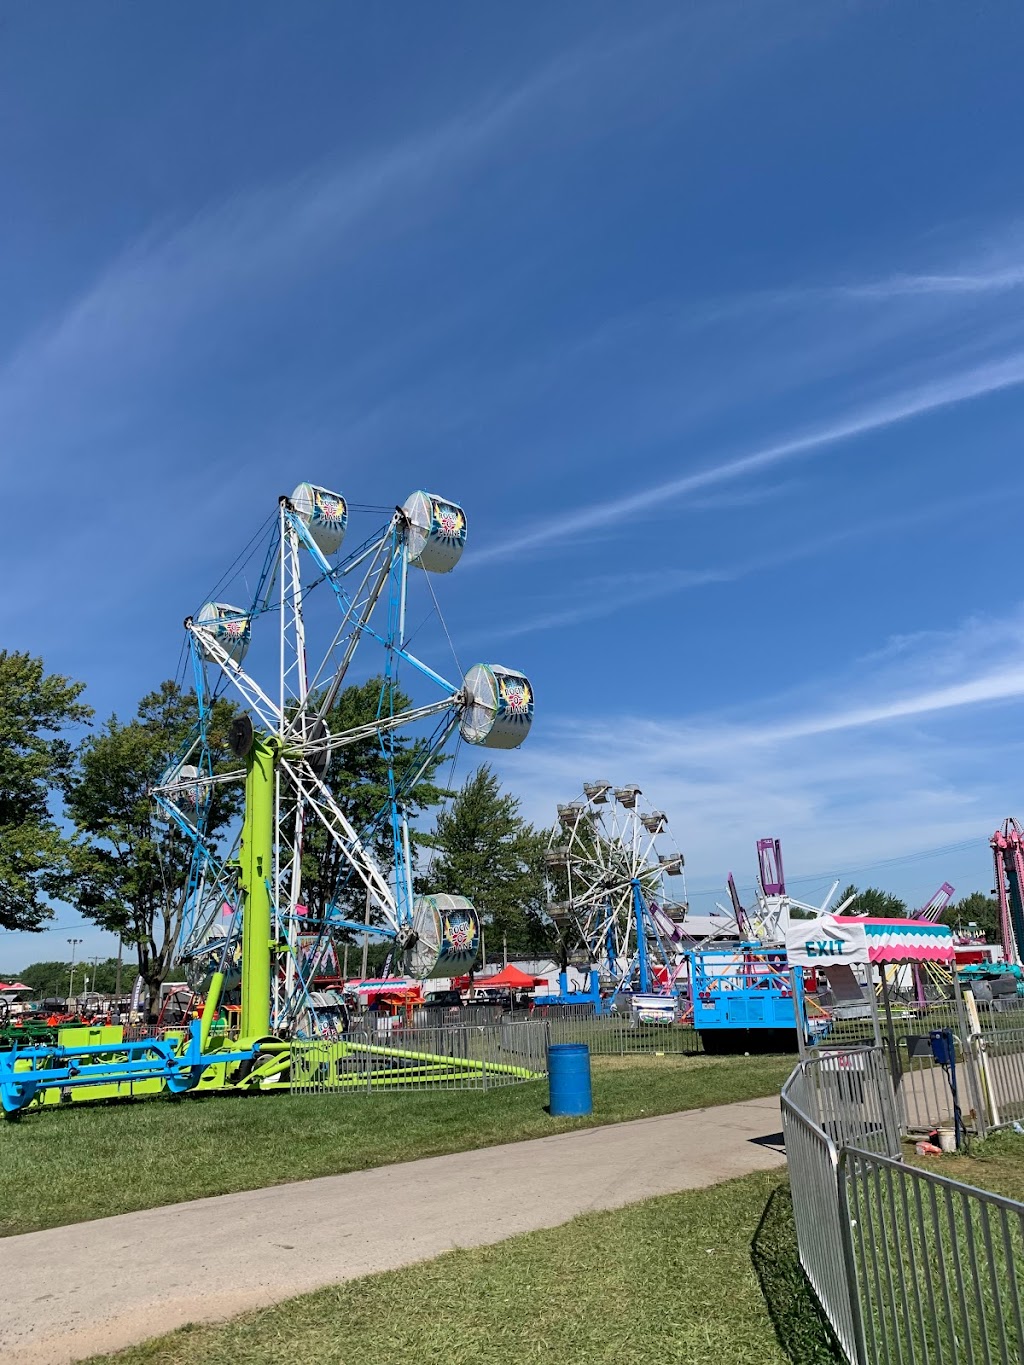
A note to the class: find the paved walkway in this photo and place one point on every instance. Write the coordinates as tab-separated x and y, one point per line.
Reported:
70	1292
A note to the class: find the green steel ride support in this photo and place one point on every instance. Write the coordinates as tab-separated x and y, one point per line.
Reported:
256	864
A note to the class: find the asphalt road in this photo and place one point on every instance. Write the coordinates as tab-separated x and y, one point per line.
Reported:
74	1291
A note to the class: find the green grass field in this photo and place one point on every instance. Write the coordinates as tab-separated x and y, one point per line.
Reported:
685	1278
997	1164
66	1165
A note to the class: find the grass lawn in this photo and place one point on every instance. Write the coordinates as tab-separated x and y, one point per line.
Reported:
67	1165
684	1278
997	1164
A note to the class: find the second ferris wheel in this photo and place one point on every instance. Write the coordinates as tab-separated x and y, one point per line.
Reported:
617	893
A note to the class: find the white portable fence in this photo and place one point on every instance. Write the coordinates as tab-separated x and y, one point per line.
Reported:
910	1268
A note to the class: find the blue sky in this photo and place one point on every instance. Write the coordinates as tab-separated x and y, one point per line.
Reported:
710	316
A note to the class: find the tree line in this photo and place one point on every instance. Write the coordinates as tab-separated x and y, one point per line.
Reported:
975	908
77	822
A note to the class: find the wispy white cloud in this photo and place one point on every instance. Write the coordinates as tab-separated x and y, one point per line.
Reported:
918	752
600	596
244	252
896	286
976	382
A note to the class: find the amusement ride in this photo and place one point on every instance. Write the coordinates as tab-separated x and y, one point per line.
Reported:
617	891
310	617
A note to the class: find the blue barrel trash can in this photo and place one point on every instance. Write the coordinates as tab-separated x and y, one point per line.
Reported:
569	1079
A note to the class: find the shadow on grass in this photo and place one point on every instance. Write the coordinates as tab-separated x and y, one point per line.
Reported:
801	1328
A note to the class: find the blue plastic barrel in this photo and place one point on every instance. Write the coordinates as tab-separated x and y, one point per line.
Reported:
569	1078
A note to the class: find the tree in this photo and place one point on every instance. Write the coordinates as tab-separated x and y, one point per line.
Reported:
54	978
872	901
358	779
485	850
36	763
977	907
133	870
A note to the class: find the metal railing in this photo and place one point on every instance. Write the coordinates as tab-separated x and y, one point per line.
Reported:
935	1266
851	1099
910	1268
998	1056
813	1161
618	1035
923	1091
391	1056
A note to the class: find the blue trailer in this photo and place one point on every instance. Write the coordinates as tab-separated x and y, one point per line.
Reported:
742	998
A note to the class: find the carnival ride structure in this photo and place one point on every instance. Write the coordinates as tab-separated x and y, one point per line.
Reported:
616	895
310	616
1007	846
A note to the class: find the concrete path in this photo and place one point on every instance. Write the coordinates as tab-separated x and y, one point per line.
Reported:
71	1292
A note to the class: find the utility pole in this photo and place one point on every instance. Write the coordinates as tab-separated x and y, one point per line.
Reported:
117	983
71	983
344	969
504	949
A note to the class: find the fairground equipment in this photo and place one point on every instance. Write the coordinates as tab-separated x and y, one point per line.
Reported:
841	946
740	990
310	617
1008	853
610	865
116	1069
766	921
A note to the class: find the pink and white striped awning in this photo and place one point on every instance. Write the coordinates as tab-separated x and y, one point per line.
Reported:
831	940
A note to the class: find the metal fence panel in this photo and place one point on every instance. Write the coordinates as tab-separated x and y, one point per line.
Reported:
619	1035
852	1098
935	1266
812	1160
386	1055
999	1057
910	1268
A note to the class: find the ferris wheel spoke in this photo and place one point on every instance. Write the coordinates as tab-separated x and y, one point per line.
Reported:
383	724
337	824
355	623
252	694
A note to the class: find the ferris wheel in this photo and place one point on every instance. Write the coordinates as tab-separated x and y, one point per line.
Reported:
315	620
617	888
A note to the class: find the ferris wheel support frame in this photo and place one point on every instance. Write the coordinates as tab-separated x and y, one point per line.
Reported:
255	863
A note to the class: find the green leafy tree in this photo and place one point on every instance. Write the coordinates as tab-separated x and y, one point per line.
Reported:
485	850
36	763
977	907
46	978
54	978
358	779
871	901
133	869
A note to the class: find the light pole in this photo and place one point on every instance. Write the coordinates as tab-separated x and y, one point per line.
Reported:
71	983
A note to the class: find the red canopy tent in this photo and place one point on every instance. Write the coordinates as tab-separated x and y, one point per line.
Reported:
510	979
